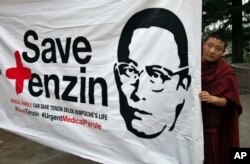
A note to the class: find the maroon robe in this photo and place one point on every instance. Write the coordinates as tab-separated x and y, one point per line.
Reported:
221	124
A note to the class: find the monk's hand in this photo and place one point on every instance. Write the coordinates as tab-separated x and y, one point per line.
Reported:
205	96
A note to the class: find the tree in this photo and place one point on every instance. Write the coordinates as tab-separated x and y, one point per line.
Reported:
232	17
237	32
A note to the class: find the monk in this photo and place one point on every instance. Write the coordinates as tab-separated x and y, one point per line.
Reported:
220	101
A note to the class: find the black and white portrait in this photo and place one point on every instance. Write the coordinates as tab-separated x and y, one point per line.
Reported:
152	78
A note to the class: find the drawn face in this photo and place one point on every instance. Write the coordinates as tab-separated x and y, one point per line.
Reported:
213	49
148	83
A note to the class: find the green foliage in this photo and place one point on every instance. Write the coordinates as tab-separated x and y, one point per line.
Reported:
224	15
215	11
220	12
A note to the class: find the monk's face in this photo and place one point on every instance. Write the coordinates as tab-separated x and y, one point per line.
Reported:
213	49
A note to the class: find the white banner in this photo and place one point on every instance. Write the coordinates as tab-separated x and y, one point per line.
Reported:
114	81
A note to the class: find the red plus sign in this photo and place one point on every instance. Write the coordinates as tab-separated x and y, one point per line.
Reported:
19	73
